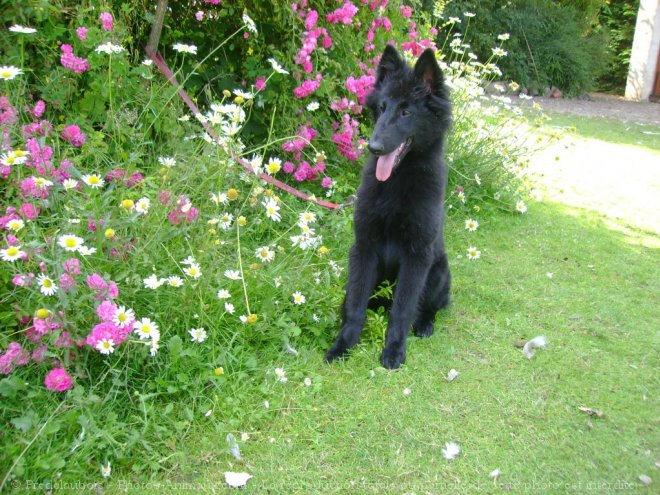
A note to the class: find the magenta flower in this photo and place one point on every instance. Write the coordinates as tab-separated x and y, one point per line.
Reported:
39	109
308	87
28	211
326	182
58	380
106	21
360	87
82	33
260	83
14	356
74	135
343	14
71	62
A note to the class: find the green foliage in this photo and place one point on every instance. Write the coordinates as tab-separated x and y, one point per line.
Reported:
619	18
134	407
551	45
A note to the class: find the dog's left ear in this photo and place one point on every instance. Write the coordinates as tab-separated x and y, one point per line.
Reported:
428	71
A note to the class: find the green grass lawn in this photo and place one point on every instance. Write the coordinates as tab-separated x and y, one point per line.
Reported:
355	431
610	130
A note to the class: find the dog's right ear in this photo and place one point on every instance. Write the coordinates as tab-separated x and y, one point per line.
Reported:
389	62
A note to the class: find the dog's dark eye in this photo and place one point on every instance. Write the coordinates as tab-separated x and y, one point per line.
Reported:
405	112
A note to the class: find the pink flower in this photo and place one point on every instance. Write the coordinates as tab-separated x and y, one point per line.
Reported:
308	87
70	61
58	380
66	282
344	137
14	356
288	167
107	330
39	109
82	33
360	87
326	182
39	354
183	211
7	112
260	83
74	135
199	15
214	2
28	211
343	14
406	10
72	266
106	21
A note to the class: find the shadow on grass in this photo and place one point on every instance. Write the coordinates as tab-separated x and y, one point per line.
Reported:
553	272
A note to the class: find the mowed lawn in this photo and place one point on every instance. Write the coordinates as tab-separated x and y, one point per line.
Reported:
555	271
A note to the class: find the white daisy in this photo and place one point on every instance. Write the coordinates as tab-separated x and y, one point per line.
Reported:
167	161
183	48
471	225
198	335
93	180
273	166
521	206
70	184
86	251
106	470
298	298
193	271
123	317
70	242
174	281
249	23
15	224
306	217
142	206
12	253
46	285
41	182
223	294
536	195
17	28
264	253
280	374
272	210
229	308
243	94
8	72
153	348
233	274
220	198
105	346
313	106
277	67
188	261
146	329
473	253
153	282
225	221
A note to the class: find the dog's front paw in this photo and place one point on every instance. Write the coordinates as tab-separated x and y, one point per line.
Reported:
337	351
393	357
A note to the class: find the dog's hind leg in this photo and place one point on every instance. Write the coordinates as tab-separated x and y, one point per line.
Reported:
435	297
362	278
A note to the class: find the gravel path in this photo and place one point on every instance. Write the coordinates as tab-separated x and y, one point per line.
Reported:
602	105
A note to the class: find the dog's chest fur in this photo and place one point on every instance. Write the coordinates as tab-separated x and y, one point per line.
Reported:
403	213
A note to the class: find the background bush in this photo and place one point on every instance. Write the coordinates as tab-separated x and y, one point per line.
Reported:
552	44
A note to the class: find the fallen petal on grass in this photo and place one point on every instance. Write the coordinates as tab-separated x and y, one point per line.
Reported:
495	474
539	342
452	374
451	450
237	480
591	411
646	480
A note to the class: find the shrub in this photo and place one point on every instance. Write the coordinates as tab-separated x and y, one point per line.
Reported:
148	281
551	45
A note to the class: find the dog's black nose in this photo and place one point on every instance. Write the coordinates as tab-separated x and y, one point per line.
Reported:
375	147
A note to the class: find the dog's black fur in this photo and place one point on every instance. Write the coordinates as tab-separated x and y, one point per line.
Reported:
399	212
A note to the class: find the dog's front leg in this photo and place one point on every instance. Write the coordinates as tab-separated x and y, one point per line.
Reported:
362	277
409	288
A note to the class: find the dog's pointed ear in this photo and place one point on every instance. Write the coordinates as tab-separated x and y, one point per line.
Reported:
390	62
428	72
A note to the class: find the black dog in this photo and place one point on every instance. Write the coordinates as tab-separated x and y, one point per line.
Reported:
399	214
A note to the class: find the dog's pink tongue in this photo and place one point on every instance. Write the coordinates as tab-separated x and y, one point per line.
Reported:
384	166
